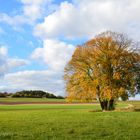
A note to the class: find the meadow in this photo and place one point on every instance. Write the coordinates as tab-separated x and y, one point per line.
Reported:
68	121
31	100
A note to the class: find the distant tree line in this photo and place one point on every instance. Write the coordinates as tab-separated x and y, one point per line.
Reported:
4	94
30	94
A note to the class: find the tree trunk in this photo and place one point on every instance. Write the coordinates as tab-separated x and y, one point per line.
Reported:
101	104
107	105
111	104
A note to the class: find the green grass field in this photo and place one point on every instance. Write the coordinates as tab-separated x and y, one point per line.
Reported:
68	122
30	100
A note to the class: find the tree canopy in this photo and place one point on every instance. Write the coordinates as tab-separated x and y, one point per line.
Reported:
106	68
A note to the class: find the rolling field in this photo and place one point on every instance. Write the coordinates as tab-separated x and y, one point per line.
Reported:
30	100
68	122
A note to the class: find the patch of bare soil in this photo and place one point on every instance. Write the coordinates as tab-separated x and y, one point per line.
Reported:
20	103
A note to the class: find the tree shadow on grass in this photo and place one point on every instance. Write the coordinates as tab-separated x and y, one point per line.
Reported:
137	109
119	110
95	110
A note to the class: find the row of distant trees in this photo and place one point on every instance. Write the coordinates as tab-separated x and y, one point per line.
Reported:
4	94
30	94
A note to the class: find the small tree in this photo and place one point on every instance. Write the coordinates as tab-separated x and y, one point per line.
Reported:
106	67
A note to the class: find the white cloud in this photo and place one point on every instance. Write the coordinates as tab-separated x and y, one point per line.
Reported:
33	80
35	2
86	18
7	64
16	62
15	20
54	54
3	52
31	11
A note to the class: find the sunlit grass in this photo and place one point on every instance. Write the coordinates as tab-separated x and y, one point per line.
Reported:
68	122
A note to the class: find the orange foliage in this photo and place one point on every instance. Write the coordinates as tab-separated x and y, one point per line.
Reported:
104	67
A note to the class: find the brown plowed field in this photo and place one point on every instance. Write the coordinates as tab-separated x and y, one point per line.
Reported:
20	103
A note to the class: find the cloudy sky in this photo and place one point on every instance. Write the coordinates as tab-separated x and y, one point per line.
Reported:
38	37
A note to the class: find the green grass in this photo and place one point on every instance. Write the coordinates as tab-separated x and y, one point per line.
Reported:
52	106
35	100
68	122
30	100
92	107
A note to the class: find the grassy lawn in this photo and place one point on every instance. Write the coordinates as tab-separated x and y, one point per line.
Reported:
68	122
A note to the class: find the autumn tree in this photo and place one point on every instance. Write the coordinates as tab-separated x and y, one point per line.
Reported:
106	68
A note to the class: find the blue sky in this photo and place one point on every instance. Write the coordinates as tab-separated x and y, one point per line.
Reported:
38	37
